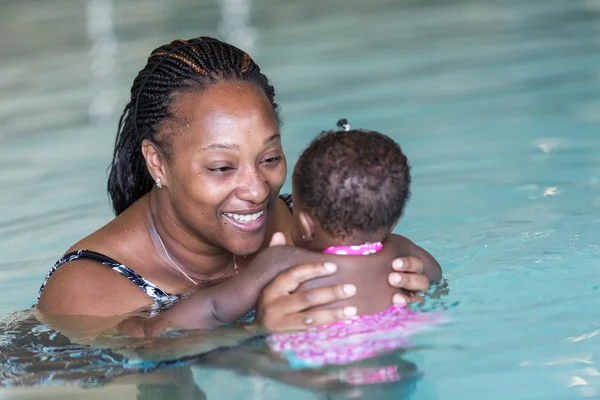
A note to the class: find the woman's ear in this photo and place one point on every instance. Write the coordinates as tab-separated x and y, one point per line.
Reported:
154	161
307	225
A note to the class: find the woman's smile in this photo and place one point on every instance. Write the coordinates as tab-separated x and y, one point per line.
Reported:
247	220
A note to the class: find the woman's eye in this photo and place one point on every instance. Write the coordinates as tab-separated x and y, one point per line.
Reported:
220	169
272	160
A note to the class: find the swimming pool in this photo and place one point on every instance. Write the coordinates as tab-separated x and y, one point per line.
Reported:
496	104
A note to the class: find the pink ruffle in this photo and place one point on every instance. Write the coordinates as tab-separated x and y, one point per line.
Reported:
354	339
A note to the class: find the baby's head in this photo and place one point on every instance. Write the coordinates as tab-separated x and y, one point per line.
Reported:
349	187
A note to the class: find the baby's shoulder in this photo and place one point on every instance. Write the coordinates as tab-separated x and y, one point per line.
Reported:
399	246
400	240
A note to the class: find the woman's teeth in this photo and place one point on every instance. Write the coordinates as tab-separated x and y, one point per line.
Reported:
245	218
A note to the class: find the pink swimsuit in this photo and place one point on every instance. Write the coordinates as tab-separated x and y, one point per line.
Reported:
354	339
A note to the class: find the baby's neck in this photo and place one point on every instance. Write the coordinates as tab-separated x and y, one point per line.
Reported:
356	239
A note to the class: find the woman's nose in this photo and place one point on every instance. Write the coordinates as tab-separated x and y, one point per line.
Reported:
254	187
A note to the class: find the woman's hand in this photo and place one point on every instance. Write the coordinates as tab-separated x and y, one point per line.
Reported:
280	307
413	273
409	278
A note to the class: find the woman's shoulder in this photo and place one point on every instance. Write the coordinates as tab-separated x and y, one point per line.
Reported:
287	199
84	281
280	220
87	287
119	236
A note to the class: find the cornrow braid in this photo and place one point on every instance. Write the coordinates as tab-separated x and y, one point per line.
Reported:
180	65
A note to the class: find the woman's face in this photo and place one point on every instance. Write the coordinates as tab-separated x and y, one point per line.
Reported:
226	166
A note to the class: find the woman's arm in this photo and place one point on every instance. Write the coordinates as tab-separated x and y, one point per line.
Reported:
221	304
281	306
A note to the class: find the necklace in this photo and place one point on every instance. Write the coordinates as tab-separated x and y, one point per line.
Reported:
235	267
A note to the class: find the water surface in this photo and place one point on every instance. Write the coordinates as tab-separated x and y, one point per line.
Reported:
496	104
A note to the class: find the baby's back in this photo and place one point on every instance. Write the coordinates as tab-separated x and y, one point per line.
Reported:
368	273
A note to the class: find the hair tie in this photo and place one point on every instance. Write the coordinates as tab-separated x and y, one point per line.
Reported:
343	123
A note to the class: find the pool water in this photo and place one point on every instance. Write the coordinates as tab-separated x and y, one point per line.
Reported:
496	103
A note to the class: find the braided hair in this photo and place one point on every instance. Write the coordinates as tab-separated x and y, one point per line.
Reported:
353	180
180	65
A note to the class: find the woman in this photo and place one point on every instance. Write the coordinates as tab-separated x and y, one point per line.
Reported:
194	183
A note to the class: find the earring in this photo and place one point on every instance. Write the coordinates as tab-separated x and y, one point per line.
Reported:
158	184
304	237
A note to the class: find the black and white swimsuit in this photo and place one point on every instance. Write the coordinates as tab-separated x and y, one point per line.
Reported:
161	300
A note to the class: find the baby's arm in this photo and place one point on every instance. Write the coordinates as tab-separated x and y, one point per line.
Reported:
223	303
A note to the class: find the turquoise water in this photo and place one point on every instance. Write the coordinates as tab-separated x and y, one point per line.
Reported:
496	103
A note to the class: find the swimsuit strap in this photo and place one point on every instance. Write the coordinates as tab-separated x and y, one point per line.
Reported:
288	200
161	299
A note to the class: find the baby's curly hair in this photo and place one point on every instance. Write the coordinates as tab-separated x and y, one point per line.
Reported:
353	180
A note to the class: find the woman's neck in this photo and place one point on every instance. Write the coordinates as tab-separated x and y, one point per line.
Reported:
180	249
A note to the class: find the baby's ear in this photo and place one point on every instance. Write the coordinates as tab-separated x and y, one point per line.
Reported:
308	226
278	239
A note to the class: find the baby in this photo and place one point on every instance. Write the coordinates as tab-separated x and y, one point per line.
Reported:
349	191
